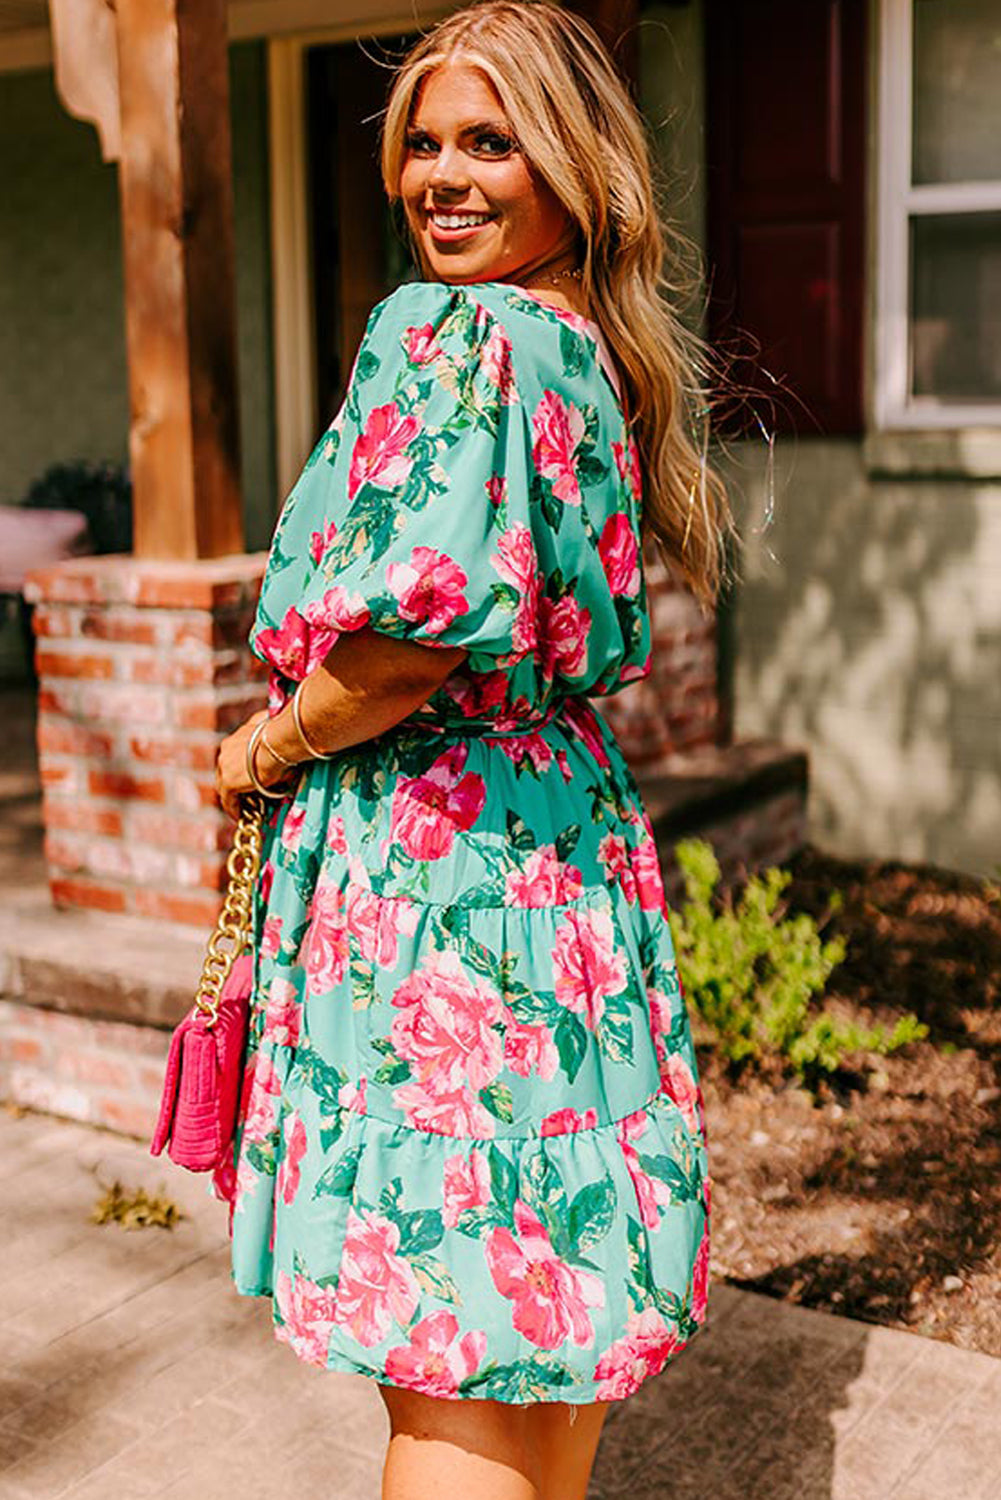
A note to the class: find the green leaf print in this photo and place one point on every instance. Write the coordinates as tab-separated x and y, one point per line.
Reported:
331	1132
592	1213
496	1097
615	1031
422	1229
566	841
476	1222
685	1187
262	1157
434	1280
366	365
572	351
590	470
570	1037
506	596
503	1181
519	835
551	506
639	1257
362	983
339	1179
392	1071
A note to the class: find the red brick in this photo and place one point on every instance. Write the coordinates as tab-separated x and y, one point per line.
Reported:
49	620
193	910
66	777
73	664
199	835
194	590
123	784
191	630
111	625
89	893
197	754
172	670
126	1115
192	792
25	1049
95	1067
62	737
206	711
118	703
81	818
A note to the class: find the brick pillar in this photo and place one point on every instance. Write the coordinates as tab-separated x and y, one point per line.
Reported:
677	707
142	666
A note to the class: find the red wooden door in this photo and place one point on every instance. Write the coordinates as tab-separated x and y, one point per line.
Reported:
786	199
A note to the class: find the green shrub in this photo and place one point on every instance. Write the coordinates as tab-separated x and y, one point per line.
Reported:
750	972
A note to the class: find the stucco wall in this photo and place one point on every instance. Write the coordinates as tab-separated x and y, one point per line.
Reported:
63	382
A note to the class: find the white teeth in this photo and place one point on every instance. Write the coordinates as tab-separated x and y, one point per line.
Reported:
459	221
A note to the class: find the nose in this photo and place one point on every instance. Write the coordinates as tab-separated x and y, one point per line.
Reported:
448	173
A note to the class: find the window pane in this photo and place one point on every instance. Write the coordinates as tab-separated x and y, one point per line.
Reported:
956	306
957	88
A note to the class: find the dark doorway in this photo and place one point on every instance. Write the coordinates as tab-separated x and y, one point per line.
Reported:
359	254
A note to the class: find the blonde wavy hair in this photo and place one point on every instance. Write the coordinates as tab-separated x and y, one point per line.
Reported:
579	129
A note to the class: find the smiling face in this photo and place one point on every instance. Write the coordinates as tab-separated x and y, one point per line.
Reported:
475	206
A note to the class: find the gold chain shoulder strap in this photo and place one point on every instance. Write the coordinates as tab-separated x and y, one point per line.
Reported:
233	926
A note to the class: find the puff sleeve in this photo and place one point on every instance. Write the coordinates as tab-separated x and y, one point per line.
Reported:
401	518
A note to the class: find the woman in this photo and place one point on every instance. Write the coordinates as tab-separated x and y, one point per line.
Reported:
471	1159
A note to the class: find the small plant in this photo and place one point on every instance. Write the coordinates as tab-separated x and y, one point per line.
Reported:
101	492
750	973
135	1210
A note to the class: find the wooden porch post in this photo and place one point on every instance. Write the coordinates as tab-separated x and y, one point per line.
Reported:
175	178
617	23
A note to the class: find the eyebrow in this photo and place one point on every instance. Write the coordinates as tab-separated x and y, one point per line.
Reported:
501	127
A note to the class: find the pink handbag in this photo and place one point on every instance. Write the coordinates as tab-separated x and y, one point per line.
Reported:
201	1089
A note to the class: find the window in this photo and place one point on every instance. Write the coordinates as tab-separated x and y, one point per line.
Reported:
938	361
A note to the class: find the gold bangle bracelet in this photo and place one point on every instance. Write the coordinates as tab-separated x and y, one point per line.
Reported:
252	775
276	754
297	720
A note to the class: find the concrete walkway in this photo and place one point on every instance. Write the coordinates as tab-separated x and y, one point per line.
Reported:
129	1368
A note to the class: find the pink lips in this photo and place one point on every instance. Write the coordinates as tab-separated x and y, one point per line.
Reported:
450	236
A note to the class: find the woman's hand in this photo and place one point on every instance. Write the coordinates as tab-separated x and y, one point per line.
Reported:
231	779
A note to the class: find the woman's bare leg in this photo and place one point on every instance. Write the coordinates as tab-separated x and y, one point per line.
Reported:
439	1449
566	1449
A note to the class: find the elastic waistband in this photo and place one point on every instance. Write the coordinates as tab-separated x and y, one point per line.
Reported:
486	729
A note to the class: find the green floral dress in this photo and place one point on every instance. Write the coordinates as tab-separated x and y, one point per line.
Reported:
471	1156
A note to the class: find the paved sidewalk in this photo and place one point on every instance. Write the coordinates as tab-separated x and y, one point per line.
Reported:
130	1368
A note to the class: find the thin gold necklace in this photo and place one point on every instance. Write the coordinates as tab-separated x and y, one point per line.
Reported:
572	273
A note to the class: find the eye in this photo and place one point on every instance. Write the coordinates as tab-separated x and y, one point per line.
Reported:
493	143
420	143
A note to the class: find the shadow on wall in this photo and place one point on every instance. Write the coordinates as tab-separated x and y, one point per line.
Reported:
867	629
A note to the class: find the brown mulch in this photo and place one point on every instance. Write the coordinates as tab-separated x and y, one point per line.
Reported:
880	1197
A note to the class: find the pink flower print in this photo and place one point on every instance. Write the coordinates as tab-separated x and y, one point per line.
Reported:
429	810
292	827
563	761
378	922
564	626
421	345
649	882
286	646
558	428
287	1180
613	852
321	541
583	724
445	1023
652	1193
497	490
619	553
522	747
587	963
543	880
338	611
457	1114
352	1096
661	1020
429	589
634	670
248	1180
516	562
282	1012
495	363
551	1299
643	1351
627	461
336	837
271	937
325	946
679	1085
700	1276
379	455
376	1286
262	1090
565	1120
308	1314
433	1362
467	1185
530	1050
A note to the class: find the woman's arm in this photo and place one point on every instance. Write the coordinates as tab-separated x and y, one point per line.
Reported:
365	684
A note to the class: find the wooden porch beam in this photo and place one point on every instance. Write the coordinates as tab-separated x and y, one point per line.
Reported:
176	187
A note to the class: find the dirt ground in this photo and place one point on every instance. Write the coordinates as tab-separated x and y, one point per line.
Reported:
881	1197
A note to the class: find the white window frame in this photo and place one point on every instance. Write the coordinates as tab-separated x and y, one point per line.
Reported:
899	201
